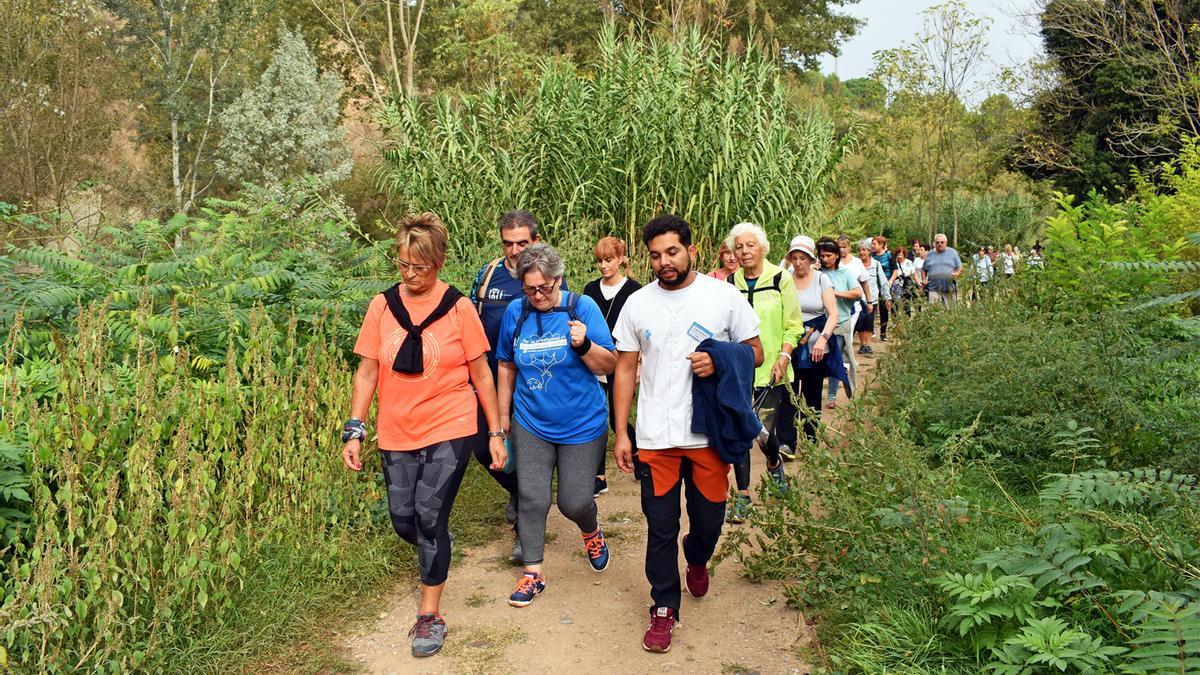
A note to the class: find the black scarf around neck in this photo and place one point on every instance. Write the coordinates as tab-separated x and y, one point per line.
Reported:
411	356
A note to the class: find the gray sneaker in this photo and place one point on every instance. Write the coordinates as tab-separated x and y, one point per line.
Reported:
428	634
517	556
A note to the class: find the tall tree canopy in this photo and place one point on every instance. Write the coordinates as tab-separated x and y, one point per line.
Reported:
1126	90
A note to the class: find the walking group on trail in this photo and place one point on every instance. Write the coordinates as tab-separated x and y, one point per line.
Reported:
530	377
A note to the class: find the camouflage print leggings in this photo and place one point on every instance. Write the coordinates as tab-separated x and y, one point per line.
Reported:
421	487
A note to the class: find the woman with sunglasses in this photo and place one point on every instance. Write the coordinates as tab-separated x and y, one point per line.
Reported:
552	345
433	349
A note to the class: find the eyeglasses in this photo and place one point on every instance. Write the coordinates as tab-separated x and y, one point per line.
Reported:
534	291
406	266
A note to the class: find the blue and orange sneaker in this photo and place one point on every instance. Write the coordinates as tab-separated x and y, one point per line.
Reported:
529	586
597	550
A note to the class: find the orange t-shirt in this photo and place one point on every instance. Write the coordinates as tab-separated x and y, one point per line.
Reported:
418	410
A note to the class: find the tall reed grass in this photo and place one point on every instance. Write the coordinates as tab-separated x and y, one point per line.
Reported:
675	125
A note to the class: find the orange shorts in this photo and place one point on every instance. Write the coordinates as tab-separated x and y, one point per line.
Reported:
709	472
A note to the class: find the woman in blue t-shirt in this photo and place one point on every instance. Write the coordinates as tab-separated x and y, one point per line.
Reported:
551	347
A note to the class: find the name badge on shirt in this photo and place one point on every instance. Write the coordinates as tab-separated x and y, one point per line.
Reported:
699	333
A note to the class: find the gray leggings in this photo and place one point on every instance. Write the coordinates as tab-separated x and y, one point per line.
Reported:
536	460
421	487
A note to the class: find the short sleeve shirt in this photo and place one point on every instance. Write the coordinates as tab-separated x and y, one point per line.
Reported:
843	279
942	264
811	303
501	290
418	410
665	326
556	397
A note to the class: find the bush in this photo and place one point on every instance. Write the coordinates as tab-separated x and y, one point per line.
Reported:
1024	375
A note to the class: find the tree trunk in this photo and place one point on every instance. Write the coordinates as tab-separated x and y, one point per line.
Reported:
176	179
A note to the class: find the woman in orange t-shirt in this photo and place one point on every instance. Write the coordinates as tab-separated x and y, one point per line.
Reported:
433	348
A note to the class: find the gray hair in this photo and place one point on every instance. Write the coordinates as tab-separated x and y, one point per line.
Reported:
540	257
942	235
748	228
865	243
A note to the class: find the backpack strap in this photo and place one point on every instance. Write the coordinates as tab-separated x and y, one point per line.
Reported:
569	308
410	358
759	287
481	292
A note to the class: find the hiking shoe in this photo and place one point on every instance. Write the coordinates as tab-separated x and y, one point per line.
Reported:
862	349
786	452
658	635
601	487
739	509
517	555
867	351
529	586
597	550
428	634
830	404
883	338
779	478
510	510
695	580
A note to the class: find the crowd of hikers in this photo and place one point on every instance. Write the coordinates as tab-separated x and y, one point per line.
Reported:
530	377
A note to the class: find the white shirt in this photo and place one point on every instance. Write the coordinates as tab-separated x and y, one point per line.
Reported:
665	326
610	292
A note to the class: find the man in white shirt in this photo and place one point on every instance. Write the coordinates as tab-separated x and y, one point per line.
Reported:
664	322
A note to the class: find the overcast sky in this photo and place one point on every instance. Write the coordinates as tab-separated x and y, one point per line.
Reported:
890	23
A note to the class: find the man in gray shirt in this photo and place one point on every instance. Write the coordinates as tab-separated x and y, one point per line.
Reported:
942	268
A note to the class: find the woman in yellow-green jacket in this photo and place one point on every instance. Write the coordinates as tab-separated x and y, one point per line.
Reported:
769	290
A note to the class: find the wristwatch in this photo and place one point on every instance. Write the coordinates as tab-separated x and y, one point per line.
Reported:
496	434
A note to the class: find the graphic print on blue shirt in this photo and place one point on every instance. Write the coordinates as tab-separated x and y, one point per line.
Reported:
555	396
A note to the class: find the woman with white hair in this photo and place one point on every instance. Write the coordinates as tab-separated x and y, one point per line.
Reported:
769	290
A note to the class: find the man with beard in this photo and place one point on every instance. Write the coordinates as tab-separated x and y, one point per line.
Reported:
664	321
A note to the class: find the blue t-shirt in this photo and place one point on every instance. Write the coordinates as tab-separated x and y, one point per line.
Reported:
843	280
556	397
938	268
887	262
502	289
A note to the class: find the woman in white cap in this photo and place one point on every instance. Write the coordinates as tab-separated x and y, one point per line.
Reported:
817	354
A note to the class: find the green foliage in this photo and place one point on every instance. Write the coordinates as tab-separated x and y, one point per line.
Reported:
1138	488
1168	639
1049	399
284	249
287	125
664	125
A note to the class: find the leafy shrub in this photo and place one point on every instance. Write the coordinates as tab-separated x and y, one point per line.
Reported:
1033	379
286	249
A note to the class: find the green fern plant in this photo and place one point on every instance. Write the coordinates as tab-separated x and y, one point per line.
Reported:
1075	444
1168	639
1050	644
1137	488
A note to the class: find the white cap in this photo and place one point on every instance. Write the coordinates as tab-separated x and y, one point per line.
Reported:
804	244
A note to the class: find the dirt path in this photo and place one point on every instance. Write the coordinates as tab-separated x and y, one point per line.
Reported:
588	621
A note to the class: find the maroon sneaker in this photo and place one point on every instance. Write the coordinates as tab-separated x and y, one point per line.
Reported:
658	635
696	578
